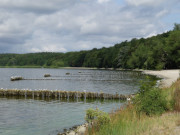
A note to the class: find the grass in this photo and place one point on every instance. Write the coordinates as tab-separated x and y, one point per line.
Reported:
126	121
177	96
163	125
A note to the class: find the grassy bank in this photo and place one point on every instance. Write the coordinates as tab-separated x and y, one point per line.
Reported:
131	120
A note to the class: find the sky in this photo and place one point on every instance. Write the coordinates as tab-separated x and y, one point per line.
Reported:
28	26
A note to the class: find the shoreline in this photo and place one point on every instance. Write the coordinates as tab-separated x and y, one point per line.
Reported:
76	68
168	76
76	130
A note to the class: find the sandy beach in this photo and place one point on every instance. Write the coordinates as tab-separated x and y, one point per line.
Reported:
168	76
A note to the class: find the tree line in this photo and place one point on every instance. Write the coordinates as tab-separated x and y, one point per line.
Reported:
158	52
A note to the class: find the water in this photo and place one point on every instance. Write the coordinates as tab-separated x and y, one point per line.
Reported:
37	117
48	117
79	80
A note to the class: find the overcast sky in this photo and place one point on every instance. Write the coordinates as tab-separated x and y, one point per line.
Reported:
72	25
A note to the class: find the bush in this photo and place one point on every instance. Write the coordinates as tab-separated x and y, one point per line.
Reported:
91	114
150	100
97	116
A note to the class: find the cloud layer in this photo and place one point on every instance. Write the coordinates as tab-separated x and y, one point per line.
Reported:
66	25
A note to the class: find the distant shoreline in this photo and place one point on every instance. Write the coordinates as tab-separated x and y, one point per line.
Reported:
91	68
51	67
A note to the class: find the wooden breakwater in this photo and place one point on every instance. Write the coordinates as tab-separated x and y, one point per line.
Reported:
60	94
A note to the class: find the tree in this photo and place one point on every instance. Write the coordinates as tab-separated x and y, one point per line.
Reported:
176	27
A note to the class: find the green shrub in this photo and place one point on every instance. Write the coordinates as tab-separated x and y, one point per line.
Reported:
103	118
150	100
146	85
97	116
91	114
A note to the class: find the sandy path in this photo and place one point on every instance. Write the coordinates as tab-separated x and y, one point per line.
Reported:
169	76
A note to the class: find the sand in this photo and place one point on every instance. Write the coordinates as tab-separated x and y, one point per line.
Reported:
168	76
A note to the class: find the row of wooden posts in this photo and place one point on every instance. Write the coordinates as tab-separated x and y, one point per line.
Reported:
60	94
17	78
57	94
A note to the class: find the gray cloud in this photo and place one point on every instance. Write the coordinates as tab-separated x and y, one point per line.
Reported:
66	25
36	6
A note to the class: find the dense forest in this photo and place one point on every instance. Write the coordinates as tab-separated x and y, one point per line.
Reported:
157	52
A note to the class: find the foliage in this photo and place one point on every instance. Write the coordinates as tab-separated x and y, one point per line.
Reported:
97	116
176	26
157	52
152	103
147	84
150	100
90	115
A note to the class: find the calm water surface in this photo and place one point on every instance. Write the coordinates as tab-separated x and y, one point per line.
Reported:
48	117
